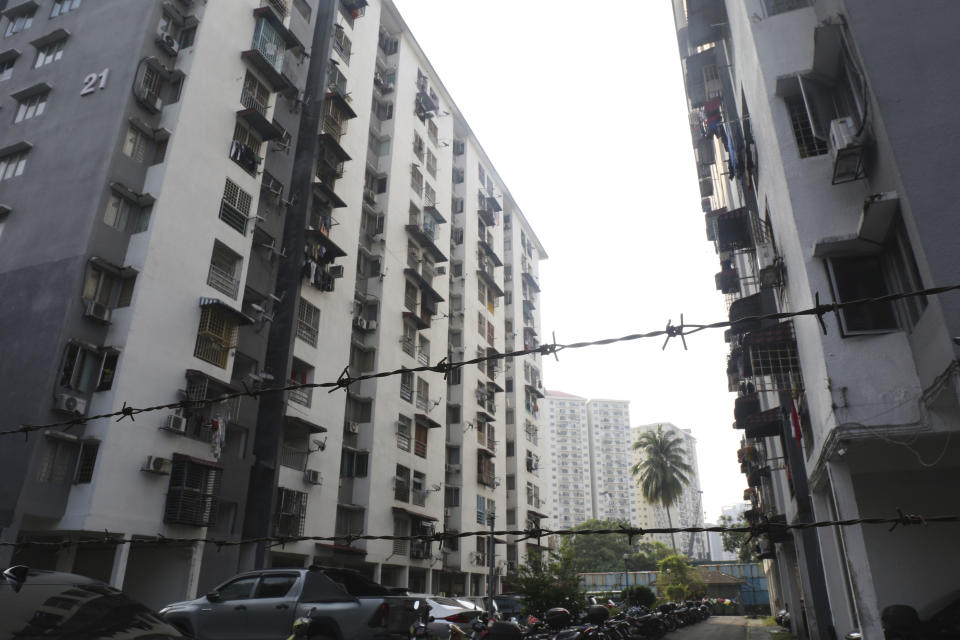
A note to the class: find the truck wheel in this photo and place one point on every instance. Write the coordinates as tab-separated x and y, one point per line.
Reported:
323	637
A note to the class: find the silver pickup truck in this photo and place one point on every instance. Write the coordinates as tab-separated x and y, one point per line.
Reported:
262	605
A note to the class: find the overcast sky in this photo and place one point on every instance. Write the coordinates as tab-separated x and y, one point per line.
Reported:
580	106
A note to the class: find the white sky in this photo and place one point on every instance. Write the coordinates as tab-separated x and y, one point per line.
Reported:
580	106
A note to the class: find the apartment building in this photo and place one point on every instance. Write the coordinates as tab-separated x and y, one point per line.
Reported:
568	440
612	487
254	194
821	134
688	512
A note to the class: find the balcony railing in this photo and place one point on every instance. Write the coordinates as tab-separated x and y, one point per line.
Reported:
485	478
249	100
223	280
302	396
280	7
293	458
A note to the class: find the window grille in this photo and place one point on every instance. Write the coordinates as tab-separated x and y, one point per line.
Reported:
87	461
808	144
268	42
224	265
235	206
215	337
403	433
291	512
192	494
308	322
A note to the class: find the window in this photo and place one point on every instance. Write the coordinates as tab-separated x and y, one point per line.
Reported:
481	510
429	195
406	386
192	494
401	527
224	270
6	68
254	94
416	180
124	215
86	369
20	22
419	495
31	106
431	164
291	512
423	394
341	43
108	289
420	441
354	464
418	146
894	270
269	43
482	175
451	496
235	206
245	148
135	144
87	461
275	586
55	461
303	8
401	484
773	7
216	336
61	7
308	322
49	53
404	426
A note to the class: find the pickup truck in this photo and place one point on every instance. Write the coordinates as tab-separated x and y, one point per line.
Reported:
262	605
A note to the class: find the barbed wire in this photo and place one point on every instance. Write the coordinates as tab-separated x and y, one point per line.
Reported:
345	380
755	530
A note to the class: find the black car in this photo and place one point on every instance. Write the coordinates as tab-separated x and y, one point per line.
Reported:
52	604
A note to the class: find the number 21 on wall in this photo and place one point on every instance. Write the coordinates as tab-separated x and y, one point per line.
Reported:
90	83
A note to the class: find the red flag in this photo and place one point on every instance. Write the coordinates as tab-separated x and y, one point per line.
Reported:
795	417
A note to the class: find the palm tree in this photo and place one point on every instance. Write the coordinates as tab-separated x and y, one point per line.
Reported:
663	471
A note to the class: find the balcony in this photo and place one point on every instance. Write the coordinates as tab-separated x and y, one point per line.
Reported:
736	230
728	281
223	280
530	280
302	396
705	21
266	52
424	286
425	234
254	115
293	458
486	246
486	478
486	274
280	7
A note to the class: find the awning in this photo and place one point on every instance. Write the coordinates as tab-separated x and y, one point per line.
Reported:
531	281
490	282
433	211
758	304
275	79
494	387
333	144
241	317
485	417
120	272
342	103
327	192
731	230
310	426
331	250
220	387
138	199
534	390
765	424
259	123
426	420
485	452
423	284
487	249
414	514
827	51
541	514
877	218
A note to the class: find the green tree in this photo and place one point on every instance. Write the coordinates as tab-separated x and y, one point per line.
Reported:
550	582
679	580
663	471
736	542
597	553
639	595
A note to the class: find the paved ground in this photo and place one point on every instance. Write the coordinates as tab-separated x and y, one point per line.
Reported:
724	628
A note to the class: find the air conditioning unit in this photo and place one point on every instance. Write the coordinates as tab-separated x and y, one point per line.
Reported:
452	468
174	423
847	151
441	270
158	465
69	403
312	476
336	271
353	427
168	43
97	311
771	276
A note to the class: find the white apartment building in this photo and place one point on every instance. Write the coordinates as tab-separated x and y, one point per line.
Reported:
568	440
288	190
612	487
825	154
688	511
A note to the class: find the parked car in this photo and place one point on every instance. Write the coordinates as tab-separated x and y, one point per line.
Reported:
263	605
446	612
510	605
52	604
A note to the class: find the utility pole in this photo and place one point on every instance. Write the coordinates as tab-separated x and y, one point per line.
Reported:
491	548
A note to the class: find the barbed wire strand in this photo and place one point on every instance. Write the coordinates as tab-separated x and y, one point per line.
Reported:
755	530
444	367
